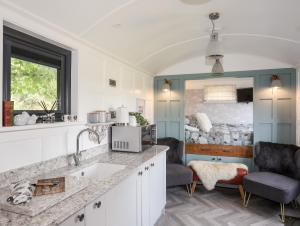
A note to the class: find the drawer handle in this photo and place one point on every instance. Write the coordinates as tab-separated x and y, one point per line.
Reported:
213	159
226	150
146	168
219	159
80	217
152	164
140	173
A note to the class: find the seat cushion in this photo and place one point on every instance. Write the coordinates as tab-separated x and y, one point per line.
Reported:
178	174
276	187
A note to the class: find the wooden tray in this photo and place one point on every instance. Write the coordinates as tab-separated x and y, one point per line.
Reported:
39	204
49	186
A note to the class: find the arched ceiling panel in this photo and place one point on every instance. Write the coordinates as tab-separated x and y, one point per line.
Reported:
155	34
277	49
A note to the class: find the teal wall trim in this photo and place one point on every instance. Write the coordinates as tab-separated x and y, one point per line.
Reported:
274	110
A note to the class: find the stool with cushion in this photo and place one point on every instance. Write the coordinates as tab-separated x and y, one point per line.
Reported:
278	176
238	180
177	173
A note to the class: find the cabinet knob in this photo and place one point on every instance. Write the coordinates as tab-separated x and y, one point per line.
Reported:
152	164
219	159
80	217
97	205
213	159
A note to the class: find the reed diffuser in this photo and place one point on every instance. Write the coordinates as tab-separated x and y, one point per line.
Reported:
49	116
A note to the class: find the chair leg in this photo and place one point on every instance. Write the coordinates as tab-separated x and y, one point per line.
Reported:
295	204
242	193
246	199
194	186
190	186
188	189
282	213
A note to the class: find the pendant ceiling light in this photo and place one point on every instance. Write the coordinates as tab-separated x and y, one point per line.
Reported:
217	69
214	49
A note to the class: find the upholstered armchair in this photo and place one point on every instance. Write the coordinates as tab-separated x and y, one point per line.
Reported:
278	174
177	173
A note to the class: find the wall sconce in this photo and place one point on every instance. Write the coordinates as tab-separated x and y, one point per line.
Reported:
167	85
276	83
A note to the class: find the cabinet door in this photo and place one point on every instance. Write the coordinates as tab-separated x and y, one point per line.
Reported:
121	203
157	187
95	213
146	195
77	219
139	176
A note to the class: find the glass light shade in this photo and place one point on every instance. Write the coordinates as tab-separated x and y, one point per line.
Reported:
166	87
218	68
276	83
214	47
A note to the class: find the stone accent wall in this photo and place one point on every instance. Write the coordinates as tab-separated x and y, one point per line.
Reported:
230	113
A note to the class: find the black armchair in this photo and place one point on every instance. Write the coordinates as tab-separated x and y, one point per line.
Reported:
278	175
177	173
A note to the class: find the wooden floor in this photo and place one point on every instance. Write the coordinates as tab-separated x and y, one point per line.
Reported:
222	206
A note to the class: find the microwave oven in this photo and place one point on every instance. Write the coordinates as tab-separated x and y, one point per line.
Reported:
133	138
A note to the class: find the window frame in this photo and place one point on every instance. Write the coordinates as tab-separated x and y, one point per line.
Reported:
25	47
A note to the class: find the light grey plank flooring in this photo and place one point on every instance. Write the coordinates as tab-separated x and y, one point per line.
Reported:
222	206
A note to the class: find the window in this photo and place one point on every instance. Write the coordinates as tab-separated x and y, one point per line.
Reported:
220	94
35	71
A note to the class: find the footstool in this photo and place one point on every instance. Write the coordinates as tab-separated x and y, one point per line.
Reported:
238	180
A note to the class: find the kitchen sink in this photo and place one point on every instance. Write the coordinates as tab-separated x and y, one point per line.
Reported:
99	171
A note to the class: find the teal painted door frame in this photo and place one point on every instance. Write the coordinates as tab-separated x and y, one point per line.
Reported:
274	111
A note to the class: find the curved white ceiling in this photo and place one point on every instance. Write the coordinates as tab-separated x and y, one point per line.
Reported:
154	34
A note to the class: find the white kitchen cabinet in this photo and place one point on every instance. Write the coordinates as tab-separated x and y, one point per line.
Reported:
151	190
157	187
78	219
95	212
122	203
145	195
137	201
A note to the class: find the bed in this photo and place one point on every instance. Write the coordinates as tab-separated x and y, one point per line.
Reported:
230	140
219	134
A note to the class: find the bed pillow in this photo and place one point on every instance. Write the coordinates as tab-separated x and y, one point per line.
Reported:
203	121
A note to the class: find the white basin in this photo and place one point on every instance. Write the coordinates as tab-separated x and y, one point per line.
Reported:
99	171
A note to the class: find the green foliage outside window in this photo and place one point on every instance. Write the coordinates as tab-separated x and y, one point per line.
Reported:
31	83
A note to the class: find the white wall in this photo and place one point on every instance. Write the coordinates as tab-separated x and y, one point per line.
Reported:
26	147
231	62
298	107
91	70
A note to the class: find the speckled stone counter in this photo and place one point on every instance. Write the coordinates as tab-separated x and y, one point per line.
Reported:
63	210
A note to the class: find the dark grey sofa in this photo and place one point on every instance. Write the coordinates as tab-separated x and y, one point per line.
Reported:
278	174
177	173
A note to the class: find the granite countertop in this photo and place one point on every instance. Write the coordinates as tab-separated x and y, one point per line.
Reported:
66	208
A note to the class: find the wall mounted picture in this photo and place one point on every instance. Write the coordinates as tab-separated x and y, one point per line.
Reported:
140	105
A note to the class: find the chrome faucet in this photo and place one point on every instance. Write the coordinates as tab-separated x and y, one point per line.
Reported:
77	155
